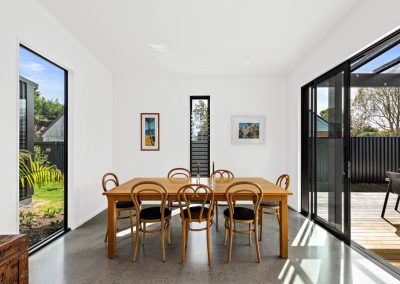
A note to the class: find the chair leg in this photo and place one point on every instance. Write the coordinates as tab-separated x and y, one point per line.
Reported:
261	214
226	233
208	243
277	216
106	237
183	240
118	215
143	233
163	241
250	234
397	203
169	231
257	244
131	223
136	242
385	203
230	241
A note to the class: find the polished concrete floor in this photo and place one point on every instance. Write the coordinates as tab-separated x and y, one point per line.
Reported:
315	256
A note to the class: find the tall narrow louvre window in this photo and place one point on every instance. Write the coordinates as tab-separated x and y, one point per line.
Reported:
200	135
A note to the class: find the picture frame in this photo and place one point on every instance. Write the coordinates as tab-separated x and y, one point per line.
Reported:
150	131
248	129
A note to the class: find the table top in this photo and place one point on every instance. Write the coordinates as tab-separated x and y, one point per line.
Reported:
173	185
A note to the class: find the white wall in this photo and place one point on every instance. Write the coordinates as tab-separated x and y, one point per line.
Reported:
368	22
169	95
90	110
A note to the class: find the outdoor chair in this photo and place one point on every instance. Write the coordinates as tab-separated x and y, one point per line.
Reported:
393	187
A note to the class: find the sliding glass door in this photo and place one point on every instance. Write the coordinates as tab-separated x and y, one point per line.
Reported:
327	151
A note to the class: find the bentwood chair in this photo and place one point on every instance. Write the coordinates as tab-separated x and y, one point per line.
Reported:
393	187
284	182
243	190
155	214
177	173
221	175
202	212
122	206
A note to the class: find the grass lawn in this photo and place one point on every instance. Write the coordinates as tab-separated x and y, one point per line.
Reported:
52	196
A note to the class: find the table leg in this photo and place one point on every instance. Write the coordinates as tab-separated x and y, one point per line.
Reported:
284	238
112	242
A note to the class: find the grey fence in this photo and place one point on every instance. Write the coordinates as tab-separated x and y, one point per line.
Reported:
371	157
56	152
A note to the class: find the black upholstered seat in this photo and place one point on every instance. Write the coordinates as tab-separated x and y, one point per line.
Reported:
241	213
124	204
195	212
153	213
269	203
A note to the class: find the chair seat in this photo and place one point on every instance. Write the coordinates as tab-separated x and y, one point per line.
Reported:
241	213
124	204
195	212
153	213
269	203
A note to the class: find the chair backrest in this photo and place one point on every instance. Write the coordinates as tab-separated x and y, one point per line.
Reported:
109	177
179	173
283	181
243	190
394	182
223	175
149	187
196	192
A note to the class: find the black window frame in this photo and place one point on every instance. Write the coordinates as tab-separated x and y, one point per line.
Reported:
36	247
192	98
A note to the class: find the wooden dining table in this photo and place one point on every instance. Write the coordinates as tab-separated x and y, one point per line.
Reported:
271	192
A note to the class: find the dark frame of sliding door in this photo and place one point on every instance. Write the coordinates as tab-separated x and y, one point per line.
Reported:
66	228
306	186
308	164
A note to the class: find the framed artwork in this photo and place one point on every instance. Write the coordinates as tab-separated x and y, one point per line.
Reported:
248	129
150	131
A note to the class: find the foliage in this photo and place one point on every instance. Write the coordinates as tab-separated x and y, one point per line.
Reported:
200	118
46	111
35	174
56	225
324	114
41	157
378	106
51	212
27	219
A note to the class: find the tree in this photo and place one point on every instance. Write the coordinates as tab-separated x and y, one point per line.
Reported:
45	112
378	106
200	119
324	114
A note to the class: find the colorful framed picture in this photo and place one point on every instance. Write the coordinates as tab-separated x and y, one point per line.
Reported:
150	131
248	129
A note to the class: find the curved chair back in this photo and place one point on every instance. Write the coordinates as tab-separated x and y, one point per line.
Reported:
283	181
109	177
394	182
179	173
196	192
149	187
223	175
236	191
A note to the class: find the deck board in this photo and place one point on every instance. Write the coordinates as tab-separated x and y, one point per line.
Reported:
381	236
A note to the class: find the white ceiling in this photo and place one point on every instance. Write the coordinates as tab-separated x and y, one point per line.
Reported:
210	37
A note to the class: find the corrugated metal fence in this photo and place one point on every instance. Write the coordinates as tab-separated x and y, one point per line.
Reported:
371	157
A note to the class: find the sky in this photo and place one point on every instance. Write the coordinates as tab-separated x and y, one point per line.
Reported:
49	77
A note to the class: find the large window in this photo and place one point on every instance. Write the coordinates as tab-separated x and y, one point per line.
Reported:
42	148
200	135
